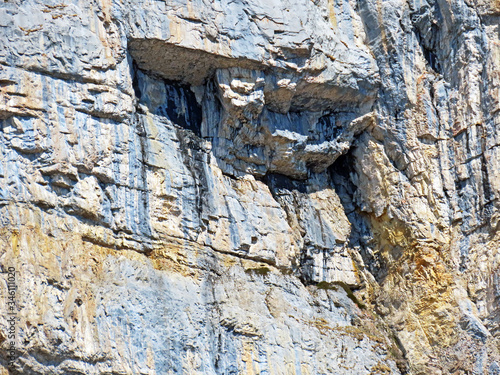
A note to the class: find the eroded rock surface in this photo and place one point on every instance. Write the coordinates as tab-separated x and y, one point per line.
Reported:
250	186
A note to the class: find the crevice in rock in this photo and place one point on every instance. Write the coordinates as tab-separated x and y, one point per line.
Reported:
145	223
323	251
135	80
173	100
279	183
181	107
363	240
425	26
361	237
194	158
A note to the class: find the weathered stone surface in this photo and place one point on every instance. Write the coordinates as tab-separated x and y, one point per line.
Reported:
94	310
250	186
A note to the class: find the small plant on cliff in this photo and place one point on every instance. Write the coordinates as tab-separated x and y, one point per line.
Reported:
263	271
329	286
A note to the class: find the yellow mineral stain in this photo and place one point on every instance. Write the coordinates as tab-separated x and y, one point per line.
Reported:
191	11
418	276
305	369
175	27
430	291
174	257
331	10
381	25
247	358
150	358
14	240
356	270
229	261
73	269
106	10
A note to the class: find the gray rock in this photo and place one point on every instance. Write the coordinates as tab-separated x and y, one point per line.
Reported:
250	186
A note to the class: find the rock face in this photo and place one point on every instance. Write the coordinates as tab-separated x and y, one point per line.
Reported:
258	187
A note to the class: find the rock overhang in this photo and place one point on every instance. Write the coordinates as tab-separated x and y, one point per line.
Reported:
319	84
260	102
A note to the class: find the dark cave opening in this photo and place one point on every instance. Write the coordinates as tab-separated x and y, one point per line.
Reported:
428	40
431	59
171	99
181	107
135	80
279	182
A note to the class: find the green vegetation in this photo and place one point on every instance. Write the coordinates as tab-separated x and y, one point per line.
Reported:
326	285
263	271
329	286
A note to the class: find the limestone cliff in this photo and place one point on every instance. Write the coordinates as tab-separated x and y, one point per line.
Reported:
256	187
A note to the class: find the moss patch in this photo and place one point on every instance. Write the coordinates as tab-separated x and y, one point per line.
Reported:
334	286
263	271
326	285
